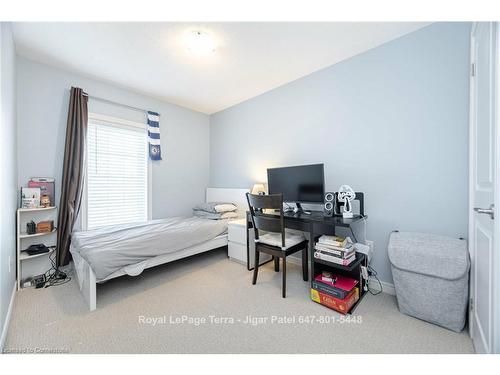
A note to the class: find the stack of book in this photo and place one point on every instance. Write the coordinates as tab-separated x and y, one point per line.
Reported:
334	249
335	291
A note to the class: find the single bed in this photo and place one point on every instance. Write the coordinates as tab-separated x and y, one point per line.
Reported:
107	253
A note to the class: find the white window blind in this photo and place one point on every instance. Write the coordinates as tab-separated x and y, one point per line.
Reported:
117	174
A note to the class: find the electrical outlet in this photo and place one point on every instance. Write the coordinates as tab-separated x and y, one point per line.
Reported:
364	272
371	244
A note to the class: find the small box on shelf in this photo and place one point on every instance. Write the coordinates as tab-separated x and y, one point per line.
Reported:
46	226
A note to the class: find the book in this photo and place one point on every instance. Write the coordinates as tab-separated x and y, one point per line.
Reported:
47	187
332	291
30	197
340	256
333	240
343	253
347	247
334	259
343	283
341	305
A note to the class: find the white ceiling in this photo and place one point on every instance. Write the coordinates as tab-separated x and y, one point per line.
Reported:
150	58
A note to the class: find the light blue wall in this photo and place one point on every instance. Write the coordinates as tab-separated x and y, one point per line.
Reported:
392	122
8	169
179	180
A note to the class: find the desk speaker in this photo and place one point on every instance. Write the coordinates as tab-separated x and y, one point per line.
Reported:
329	204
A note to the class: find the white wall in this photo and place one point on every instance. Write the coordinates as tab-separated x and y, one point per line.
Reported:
391	122
8	169
179	180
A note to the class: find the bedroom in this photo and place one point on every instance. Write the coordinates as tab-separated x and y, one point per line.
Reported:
175	156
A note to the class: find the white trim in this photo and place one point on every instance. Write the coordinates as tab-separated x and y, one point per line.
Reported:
472	113
150	185
7	318
115	120
496	228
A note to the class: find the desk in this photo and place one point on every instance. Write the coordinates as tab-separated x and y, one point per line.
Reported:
316	224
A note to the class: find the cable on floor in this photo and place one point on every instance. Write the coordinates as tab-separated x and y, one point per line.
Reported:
54	276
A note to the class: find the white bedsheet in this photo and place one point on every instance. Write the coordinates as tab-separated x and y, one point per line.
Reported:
112	248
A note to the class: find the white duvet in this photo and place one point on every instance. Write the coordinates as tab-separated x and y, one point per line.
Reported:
111	248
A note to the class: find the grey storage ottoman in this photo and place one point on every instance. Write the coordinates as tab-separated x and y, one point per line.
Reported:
431	277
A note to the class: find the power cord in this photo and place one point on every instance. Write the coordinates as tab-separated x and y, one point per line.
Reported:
54	276
364	230
373	273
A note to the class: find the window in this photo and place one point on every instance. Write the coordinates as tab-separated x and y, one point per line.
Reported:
118	176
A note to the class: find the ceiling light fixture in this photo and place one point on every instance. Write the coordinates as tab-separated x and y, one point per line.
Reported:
200	43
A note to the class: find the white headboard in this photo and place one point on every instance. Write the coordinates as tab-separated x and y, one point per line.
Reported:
236	196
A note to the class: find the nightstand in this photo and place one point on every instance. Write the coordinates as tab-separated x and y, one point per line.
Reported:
237	244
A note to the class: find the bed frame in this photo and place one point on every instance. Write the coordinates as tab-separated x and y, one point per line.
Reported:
86	276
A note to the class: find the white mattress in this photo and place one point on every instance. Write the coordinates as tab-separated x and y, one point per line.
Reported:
127	248
138	268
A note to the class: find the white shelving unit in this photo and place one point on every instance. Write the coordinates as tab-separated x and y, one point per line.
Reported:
32	265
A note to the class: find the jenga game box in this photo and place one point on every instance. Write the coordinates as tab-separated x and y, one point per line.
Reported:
341	305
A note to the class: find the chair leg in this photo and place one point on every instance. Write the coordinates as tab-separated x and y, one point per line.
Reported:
276	264
255	267
305	265
284	278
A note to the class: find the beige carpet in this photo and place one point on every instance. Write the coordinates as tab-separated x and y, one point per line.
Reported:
211	285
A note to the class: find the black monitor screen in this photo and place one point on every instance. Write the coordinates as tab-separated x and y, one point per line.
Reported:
305	183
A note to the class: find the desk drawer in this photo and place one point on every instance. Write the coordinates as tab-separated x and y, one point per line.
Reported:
292	224
237	233
324	229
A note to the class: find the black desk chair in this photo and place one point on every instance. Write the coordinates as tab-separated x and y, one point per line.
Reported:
277	242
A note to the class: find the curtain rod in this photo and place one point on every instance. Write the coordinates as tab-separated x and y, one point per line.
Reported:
116	103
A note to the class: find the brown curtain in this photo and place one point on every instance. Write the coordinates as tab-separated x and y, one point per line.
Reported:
73	172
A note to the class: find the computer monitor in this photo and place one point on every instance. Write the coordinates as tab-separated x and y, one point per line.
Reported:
299	184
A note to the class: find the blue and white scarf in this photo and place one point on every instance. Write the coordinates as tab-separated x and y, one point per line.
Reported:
154	135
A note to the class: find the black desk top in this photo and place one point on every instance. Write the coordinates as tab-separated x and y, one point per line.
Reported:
317	217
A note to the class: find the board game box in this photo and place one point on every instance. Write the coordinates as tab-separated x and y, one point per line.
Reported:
341	305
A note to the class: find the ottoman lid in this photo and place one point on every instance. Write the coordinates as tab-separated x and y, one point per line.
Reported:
429	254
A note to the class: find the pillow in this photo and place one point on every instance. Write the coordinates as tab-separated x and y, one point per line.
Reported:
216	216
209	206
226	207
229	215
207	215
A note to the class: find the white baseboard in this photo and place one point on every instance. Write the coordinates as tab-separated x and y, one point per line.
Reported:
374	285
7	318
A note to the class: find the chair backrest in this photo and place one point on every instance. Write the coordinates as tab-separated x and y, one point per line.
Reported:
266	222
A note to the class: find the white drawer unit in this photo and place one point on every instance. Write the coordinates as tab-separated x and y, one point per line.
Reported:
237	244
237	233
